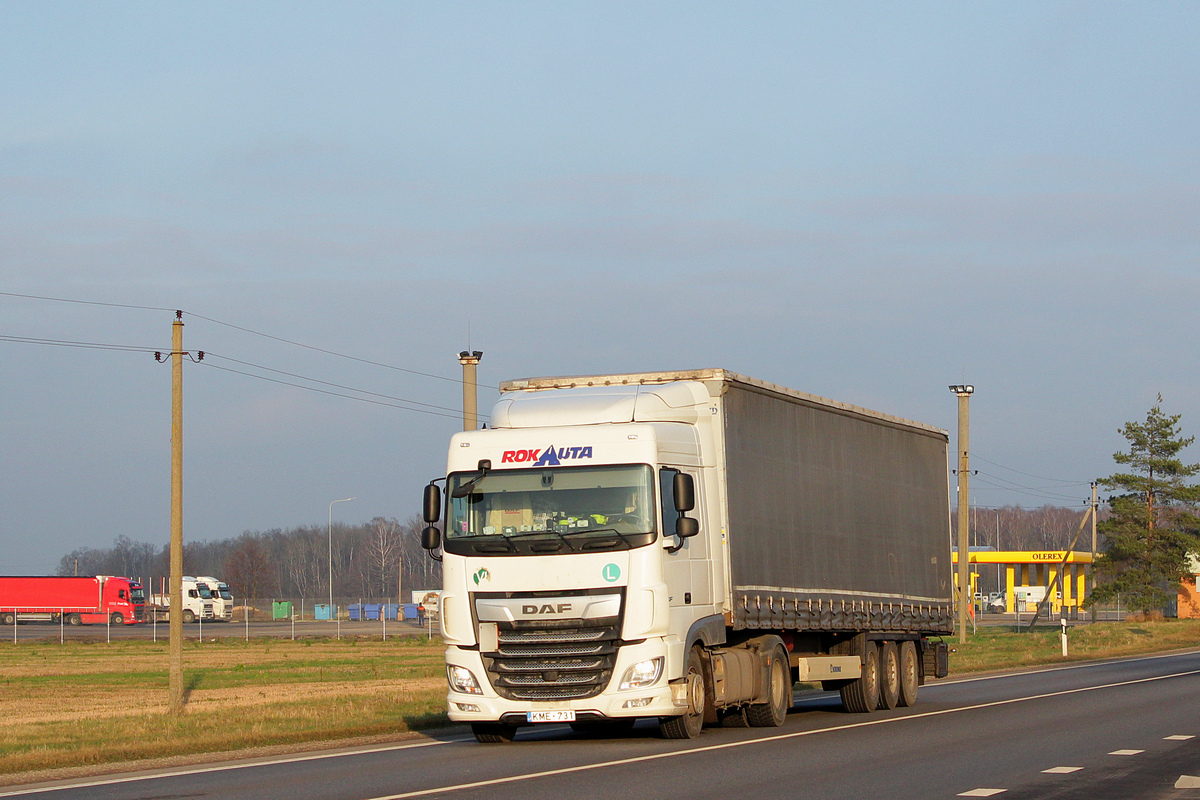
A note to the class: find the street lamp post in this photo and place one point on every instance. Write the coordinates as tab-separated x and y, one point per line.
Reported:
345	500
964	588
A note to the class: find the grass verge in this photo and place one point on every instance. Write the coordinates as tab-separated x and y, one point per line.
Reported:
80	704
90	704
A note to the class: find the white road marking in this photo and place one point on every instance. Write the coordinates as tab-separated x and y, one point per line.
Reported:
1062	770
982	792
1179	737
1126	752
1187	782
767	739
268	761
227	766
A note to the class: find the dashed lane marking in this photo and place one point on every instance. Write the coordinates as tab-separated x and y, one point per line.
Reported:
1126	752
1179	737
982	792
1062	770
1187	782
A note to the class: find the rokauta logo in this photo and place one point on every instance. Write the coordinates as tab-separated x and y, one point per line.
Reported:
547	456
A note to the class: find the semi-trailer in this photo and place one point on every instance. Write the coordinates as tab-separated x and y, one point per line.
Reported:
74	600
685	546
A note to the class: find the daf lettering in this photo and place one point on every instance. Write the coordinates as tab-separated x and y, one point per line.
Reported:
546	609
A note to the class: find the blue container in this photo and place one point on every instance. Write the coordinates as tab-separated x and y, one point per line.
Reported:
372	610
324	611
410	611
356	611
391	610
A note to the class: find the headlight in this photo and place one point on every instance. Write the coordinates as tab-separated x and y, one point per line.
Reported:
642	674
461	680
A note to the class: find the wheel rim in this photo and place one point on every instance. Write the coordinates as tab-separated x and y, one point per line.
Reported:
695	693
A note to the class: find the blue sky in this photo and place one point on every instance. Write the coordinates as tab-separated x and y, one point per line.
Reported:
867	201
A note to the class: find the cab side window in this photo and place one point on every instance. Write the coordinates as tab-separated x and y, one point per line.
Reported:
666	498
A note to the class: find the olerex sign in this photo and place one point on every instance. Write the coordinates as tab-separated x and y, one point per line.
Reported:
550	456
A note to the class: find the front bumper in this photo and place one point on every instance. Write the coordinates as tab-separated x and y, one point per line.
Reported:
655	700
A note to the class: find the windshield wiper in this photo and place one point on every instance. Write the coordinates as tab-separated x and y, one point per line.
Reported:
523	534
624	536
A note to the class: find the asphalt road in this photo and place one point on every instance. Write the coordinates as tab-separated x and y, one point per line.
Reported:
1123	729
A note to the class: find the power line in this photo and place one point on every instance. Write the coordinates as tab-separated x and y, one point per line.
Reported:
83	302
1032	492
334	394
87	345
210	354
329	352
1031	475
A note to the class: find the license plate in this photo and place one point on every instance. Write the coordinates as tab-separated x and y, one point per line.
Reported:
566	715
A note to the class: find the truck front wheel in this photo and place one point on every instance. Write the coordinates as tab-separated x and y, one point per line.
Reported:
189	615
861	695
493	732
118	619
688	724
772	713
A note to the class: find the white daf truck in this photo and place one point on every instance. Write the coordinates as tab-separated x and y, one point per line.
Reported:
684	546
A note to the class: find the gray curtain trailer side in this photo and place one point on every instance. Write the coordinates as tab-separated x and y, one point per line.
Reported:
838	517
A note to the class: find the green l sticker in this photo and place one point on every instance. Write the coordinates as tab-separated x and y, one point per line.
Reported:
611	572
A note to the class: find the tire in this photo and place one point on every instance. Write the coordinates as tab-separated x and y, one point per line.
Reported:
861	695
772	713
493	732
688	724
910	674
8	618
889	676
74	620
117	618
189	616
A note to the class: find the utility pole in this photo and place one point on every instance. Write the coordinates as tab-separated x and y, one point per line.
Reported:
1095	512
470	360
964	589
175	646
175	670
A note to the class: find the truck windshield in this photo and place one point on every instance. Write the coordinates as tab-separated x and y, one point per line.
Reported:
136	594
546	511
204	592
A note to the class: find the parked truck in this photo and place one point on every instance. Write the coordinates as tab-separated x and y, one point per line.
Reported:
685	546
222	598
74	600
197	601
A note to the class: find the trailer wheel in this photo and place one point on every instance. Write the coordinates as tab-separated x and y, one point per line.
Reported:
688	724
74	620
889	676
493	732
189	616
910	677
8	618
861	695
772	713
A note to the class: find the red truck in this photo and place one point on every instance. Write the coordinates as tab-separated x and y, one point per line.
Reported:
77	601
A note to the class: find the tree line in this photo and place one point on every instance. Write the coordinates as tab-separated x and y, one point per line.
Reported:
379	559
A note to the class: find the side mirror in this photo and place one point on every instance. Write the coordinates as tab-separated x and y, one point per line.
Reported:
431	537
684	490
433	503
686	527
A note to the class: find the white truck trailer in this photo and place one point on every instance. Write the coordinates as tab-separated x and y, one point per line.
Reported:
684	546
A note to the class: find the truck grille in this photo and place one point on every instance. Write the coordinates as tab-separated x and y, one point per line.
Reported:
539	662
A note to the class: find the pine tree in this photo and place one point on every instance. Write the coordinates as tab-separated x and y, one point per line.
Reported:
1153	527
